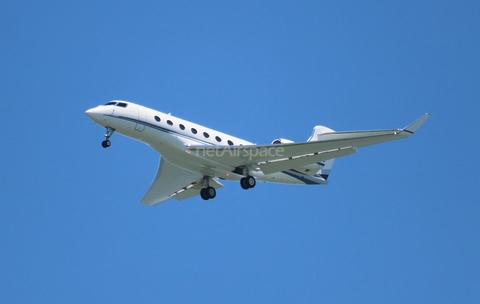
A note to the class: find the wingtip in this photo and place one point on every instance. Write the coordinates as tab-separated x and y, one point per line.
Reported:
416	124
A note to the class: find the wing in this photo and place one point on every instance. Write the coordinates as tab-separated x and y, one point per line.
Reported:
174	182
278	157
278	165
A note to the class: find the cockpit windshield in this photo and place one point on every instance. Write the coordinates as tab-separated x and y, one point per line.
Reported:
118	104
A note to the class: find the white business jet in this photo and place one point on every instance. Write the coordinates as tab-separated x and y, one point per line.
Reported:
194	158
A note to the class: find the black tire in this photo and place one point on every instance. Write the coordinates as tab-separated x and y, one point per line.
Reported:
203	194
250	181
211	192
106	143
243	183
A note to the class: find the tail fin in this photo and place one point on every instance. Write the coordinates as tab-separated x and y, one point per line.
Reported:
328	164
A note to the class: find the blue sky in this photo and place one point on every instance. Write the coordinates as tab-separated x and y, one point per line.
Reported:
398	223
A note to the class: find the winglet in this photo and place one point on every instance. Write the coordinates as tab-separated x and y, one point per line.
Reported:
416	124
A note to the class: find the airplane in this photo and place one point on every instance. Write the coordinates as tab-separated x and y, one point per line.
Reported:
195	158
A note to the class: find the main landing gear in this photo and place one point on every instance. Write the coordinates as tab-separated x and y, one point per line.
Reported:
207	192
106	143
247	182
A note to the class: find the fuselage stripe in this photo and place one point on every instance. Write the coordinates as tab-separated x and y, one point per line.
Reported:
302	178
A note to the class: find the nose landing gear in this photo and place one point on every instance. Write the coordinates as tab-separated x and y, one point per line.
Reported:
106	143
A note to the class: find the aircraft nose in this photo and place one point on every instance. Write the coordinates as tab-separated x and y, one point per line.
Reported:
94	114
90	112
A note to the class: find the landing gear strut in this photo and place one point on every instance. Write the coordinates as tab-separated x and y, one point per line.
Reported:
207	191
106	143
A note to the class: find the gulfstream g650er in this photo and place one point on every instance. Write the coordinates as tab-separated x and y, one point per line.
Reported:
194	158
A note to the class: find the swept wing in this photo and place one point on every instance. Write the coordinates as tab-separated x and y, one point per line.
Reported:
174	182
278	157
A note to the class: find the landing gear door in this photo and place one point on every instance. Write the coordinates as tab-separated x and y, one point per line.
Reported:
142	117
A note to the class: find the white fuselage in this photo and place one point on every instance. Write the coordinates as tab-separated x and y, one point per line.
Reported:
170	135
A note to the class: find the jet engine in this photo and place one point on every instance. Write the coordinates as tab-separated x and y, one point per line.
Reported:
282	141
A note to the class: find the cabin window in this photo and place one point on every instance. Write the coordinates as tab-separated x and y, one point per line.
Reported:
230	142
206	135
194	131
218	139
111	103
182	127
157	118
122	104
169	122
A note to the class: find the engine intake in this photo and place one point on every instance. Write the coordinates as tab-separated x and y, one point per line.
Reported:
282	141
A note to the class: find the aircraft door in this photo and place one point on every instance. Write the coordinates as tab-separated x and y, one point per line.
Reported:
142	117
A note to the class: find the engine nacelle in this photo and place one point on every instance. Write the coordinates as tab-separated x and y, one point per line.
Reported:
282	141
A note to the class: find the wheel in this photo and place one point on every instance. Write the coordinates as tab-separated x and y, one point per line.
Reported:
243	183
211	192
203	194
106	143
250	181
